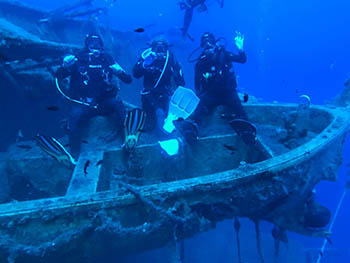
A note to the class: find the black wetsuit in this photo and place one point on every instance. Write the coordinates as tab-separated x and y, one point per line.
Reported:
155	99
215	83
91	81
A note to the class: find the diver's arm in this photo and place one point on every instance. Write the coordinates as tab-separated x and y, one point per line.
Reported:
197	79
66	70
125	77
241	57
117	69
139	71
62	73
67	67
121	73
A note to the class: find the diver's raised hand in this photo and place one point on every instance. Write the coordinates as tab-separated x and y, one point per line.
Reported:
239	40
69	61
148	57
149	60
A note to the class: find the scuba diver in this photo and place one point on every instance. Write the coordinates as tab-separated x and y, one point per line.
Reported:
91	87
215	84
189	6
158	67
215	80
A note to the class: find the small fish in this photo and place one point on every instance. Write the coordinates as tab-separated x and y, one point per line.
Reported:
139	30
86	165
99	162
230	147
24	146
84	141
53	108
245	97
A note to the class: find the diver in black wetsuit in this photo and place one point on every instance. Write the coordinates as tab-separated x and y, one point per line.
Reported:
215	81
158	67
91	87
189	6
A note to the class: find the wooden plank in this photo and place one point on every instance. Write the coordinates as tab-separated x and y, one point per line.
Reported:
85	183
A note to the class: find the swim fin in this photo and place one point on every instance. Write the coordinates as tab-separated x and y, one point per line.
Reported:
54	148
133	125
188	129
245	129
182	104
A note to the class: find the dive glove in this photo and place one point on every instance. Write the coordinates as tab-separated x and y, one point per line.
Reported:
116	68
149	60
239	40
69	61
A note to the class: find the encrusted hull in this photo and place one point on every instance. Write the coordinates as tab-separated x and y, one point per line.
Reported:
93	219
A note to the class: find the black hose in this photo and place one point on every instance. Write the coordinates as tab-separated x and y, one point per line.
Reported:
190	57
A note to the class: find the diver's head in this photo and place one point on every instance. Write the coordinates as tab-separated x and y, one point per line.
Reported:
94	43
207	40
160	46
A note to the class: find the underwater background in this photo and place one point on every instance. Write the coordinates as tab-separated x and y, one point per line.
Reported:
293	48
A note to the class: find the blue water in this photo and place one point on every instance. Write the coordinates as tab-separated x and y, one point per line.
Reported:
293	48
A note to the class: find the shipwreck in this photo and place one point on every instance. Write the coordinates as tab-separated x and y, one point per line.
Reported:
129	202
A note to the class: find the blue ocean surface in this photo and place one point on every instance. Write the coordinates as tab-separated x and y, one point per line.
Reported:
293	48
